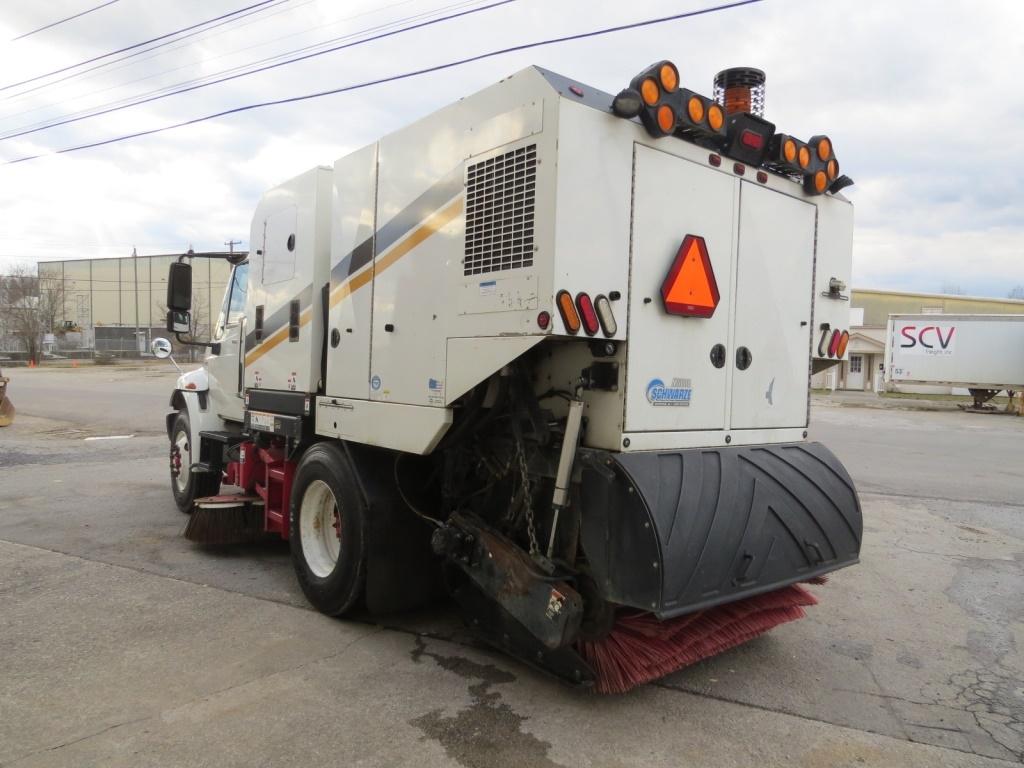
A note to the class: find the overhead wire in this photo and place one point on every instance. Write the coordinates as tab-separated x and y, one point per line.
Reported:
64	20
394	78
126	102
136	45
203	38
207	26
186	89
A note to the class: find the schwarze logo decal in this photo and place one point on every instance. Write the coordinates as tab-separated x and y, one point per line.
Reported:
677	394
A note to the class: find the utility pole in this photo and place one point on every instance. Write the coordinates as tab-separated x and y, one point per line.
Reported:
135	265
231	245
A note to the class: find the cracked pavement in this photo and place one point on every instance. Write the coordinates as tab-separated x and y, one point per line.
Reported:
123	644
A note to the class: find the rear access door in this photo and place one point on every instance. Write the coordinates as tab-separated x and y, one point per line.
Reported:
771	347
675	381
743	255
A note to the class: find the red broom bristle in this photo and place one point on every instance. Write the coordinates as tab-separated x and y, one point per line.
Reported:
640	648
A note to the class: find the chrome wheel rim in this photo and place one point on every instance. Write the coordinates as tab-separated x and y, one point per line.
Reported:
320	528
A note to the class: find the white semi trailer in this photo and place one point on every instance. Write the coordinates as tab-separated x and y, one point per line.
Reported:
554	345
980	353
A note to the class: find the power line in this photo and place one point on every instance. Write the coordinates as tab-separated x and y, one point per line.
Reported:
105	64
61	21
258	70
235	68
130	101
197	62
393	78
135	45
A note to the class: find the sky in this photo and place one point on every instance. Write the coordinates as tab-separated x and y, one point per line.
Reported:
923	102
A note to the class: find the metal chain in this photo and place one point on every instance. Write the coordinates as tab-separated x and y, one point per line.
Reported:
531	529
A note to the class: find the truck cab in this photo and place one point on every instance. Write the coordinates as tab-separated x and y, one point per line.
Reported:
210	397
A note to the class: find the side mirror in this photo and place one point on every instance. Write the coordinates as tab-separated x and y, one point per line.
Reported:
179	322
161	348
179	288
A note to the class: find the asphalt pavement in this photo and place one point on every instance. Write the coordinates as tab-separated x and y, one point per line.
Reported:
123	644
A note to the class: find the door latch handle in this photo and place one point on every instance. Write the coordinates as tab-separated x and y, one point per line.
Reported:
743	358
718	355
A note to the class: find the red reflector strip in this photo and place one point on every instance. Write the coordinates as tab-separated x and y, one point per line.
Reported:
750	139
587	313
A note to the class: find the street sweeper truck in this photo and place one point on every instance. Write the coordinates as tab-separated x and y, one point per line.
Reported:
547	350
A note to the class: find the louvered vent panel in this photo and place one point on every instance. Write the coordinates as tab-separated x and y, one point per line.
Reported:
499	212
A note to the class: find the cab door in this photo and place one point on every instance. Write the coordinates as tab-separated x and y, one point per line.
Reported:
225	368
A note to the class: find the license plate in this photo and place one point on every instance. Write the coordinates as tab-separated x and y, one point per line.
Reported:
262	421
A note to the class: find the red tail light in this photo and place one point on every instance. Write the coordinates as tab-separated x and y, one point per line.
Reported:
587	313
833	345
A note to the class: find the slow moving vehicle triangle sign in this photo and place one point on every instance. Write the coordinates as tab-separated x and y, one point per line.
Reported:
690	288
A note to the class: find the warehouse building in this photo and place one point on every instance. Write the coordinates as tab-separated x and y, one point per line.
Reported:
869	314
117	305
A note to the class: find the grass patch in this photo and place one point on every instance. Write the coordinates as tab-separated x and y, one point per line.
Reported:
998	399
946	398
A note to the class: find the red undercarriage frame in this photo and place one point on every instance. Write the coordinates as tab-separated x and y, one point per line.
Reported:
265	472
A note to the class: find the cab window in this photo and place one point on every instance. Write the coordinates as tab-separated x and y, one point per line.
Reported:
239	287
234	300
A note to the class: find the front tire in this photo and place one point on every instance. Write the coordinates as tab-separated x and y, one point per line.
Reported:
187	485
327	529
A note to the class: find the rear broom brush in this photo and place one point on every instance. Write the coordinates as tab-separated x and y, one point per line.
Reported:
640	648
221	520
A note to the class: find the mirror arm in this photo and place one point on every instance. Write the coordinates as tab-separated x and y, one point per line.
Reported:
233	257
213	345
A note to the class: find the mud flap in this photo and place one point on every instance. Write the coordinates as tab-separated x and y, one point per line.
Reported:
677	531
402	572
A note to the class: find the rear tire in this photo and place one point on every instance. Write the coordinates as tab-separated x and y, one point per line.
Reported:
187	485
328	530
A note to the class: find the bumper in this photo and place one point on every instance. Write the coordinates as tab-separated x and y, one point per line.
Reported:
677	531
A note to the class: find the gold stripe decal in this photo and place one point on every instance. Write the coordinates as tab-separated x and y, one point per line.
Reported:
435	223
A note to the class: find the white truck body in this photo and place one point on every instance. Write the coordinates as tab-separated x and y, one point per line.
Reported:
448	237
970	351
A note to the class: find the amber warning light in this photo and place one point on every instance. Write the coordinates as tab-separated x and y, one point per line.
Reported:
690	288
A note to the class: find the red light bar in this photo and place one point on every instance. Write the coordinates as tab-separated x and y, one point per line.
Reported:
750	139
